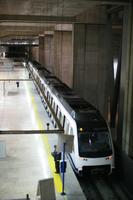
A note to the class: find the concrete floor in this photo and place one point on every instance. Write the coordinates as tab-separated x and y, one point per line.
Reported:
26	159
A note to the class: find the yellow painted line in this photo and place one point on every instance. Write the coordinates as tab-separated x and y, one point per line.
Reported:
57	178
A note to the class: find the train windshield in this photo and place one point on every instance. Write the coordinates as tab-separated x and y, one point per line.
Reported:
94	144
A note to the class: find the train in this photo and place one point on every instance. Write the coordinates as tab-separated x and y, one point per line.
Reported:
93	148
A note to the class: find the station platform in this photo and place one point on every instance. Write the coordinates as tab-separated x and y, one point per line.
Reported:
26	159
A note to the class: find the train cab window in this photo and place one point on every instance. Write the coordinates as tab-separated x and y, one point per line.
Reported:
94	144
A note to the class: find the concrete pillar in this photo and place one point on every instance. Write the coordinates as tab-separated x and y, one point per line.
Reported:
49	50
125	123
127	82
41	49
35	53
92	62
63	67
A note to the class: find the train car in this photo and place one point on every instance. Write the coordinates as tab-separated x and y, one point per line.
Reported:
93	147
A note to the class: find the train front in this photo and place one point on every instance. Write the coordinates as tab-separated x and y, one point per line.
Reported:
95	146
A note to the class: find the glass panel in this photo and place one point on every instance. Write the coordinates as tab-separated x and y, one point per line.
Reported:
94	144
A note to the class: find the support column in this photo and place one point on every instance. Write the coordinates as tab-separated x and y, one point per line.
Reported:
127	82
92	62
125	123
41	49
63	55
49	50
35	53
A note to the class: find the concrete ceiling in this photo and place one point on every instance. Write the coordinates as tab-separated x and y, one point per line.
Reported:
35	16
51	7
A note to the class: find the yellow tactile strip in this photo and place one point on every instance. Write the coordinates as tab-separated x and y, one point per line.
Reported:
57	178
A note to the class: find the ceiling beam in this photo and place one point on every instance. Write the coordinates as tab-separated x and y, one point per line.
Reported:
4	34
26	35
25	28
35	18
109	2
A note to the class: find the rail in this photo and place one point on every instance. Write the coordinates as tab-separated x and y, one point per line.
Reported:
26	79
27	132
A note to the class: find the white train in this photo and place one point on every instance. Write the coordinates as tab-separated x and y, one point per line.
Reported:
93	147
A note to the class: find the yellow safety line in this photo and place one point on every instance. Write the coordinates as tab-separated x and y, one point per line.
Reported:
57	178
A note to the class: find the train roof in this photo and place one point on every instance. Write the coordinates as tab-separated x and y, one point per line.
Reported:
45	74
82	111
64	90
37	65
79	108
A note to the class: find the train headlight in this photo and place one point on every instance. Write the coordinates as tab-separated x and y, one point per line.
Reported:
81	129
83	158
109	158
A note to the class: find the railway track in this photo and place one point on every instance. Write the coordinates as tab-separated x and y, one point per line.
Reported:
100	187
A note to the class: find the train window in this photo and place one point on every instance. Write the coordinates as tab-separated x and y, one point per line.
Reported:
49	97
71	131
66	128
56	110
43	86
63	121
51	100
60	115
53	106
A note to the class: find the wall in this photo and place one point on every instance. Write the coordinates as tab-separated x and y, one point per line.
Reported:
93	75
126	98
49	52
41	49
35	53
63	67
